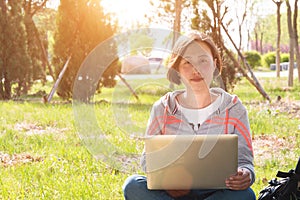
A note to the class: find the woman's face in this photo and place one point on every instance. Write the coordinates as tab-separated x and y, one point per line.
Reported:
197	65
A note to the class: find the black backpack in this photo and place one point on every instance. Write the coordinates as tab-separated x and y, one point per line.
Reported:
286	188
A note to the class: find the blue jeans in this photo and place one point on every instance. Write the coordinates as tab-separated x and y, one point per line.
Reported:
135	188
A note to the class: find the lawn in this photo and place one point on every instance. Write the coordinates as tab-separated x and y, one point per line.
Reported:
65	151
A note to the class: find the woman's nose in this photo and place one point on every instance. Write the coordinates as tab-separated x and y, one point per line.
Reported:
195	71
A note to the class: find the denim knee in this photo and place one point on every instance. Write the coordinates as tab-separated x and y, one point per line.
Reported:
251	194
133	183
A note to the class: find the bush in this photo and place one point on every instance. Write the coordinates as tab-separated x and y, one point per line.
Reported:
284	57
268	59
253	58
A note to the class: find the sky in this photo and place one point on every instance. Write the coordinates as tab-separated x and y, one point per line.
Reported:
128	11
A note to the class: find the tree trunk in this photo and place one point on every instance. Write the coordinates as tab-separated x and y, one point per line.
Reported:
176	26
177	21
60	76
2	6
241	22
1	90
256	41
292	40
129	87
6	86
296	38
248	40
278	4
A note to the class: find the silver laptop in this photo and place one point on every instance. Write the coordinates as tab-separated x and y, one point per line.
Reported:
190	161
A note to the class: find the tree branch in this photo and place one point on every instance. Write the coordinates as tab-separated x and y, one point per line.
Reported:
37	7
254	80
225	12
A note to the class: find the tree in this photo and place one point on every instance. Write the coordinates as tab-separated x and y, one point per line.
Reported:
251	18
170	12
37	42
21	60
203	23
218	11
81	25
201	20
257	29
43	20
195	21
241	18
278	4
15	60
268	26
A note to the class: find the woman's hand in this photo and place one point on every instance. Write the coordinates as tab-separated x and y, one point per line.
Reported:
177	193
240	181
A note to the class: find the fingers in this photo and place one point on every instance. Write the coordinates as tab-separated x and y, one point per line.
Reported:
238	184
239	181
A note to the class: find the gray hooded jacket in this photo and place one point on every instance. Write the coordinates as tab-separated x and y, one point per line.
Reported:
230	118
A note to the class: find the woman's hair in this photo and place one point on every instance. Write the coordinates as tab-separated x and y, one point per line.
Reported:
179	49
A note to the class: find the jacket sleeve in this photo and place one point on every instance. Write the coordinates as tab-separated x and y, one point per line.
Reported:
245	150
155	121
153	127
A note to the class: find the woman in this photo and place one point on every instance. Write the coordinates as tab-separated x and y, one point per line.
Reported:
199	109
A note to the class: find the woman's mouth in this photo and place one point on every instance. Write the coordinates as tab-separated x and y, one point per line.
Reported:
196	79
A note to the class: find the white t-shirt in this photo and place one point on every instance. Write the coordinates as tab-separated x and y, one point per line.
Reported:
197	116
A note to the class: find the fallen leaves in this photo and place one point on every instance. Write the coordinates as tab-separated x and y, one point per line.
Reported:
268	147
290	107
7	160
35	129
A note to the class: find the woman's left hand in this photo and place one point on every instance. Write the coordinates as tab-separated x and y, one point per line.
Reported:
240	181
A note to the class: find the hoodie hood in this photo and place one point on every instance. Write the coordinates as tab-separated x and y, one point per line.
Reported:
169	102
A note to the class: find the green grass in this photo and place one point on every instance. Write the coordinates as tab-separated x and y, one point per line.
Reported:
273	86
267	119
62	166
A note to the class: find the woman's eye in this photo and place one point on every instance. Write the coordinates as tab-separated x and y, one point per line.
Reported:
203	61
